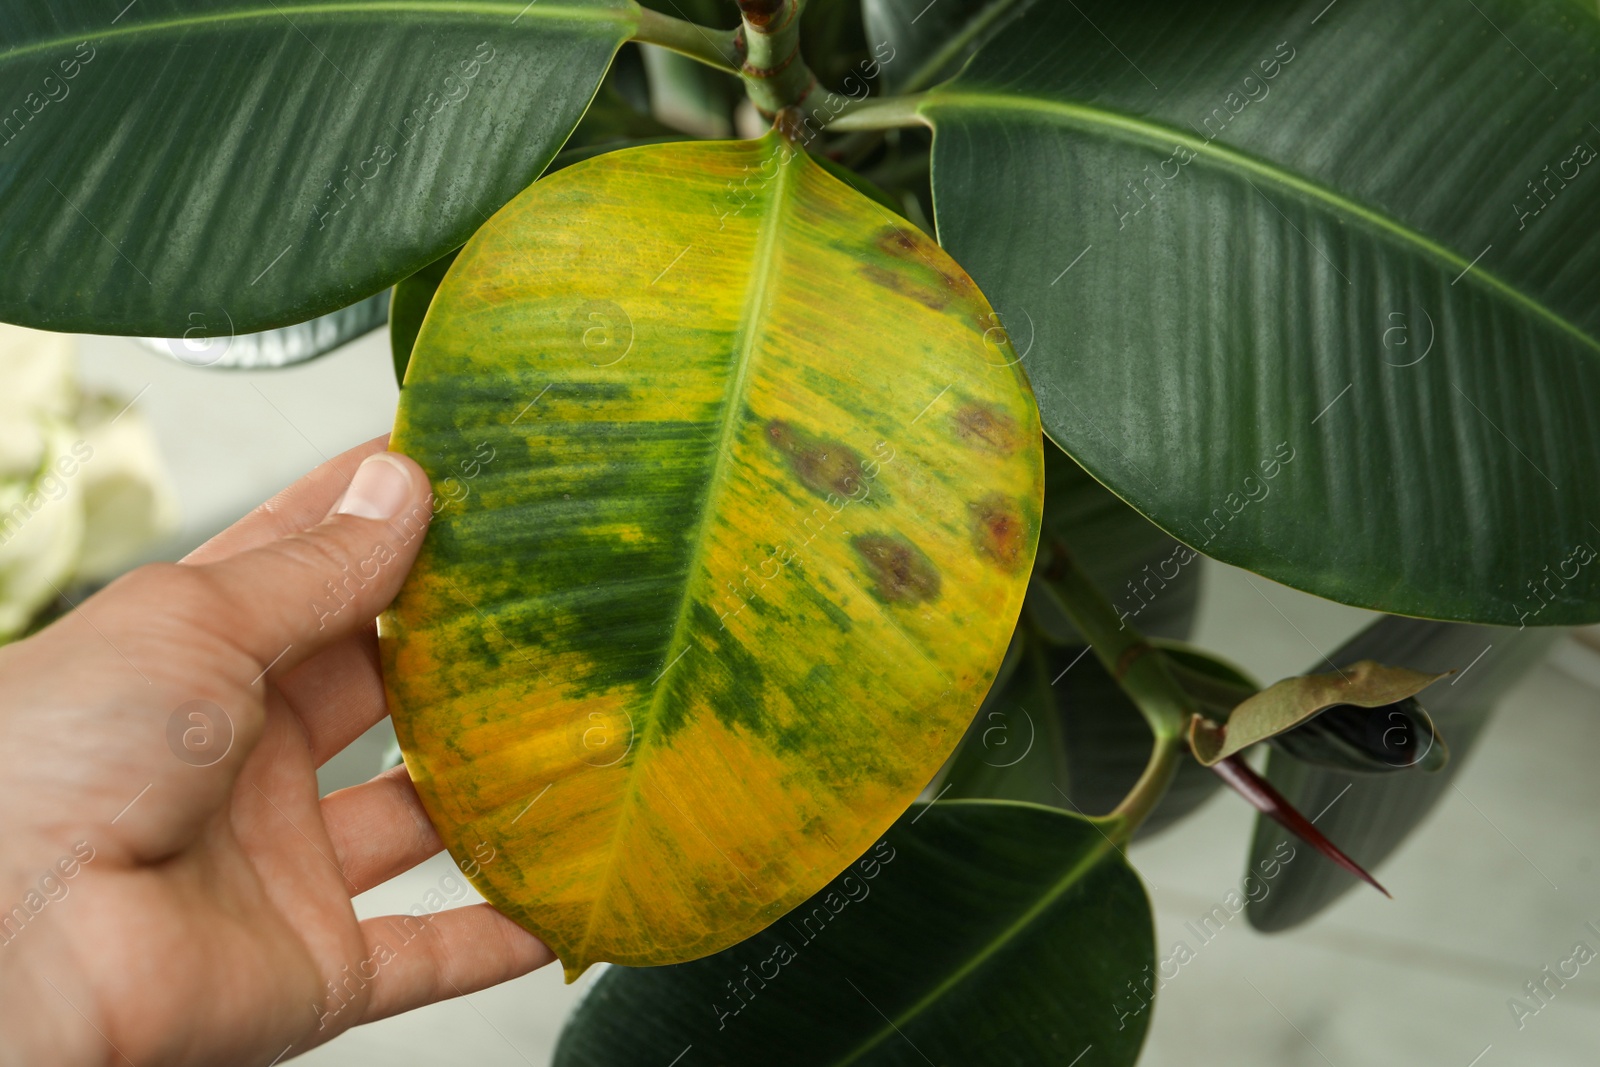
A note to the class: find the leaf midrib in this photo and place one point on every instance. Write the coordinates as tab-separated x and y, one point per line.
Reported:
287	13
1070	878
1144	130
750	330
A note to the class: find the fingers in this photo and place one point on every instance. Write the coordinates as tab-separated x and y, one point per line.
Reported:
378	829
337	694
416	960
285	600
299	507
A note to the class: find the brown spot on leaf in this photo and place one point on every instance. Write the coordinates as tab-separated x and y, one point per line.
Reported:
903	572
987	427
896	242
998	530
824	466
945	282
903	283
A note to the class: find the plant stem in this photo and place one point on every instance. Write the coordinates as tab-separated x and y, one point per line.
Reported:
774	72
1137	666
1142	672
1147	792
881	113
714	48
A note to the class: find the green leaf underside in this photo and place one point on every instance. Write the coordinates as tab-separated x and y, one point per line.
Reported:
752	501
241	166
1370	816
1227	351
285	346
1284	705
994	933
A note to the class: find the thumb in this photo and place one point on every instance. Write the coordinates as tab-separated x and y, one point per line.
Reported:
295	596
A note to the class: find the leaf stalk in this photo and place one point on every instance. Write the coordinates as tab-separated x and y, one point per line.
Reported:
714	48
1138	666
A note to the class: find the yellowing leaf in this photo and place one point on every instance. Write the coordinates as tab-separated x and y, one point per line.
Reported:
740	488
1288	703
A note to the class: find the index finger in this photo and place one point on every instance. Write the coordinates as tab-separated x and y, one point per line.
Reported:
299	507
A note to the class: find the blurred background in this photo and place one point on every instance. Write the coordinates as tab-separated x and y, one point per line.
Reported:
1497	884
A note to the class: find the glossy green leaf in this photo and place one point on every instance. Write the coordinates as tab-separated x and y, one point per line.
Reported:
410	304
1150	578
741	499
978	934
283	347
1307	284
242	166
1370	815
926	41
1286	704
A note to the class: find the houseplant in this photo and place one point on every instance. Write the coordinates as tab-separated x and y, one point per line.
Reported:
1301	284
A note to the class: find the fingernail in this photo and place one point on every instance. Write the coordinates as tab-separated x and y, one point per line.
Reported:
381	487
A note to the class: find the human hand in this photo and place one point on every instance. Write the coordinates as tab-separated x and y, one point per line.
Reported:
172	891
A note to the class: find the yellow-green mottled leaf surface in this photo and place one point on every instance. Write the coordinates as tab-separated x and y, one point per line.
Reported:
740	489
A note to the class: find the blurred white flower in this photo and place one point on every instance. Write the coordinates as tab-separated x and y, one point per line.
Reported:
82	488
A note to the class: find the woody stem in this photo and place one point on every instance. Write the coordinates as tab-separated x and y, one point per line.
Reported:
775	74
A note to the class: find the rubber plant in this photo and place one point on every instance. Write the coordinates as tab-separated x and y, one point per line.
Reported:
753	544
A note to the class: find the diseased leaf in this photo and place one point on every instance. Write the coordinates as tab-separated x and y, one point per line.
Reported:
1370	815
975	933
283	347
1288	703
1258	307
610	123
236	167
729	570
411	299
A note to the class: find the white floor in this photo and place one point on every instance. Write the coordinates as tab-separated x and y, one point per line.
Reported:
1490	891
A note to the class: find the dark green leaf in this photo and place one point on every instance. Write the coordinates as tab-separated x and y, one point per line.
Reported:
975	934
1149	577
1216	685
283	347
835	45
238	167
1370	815
1307	284
930	40
411	299
1382	740
1058	730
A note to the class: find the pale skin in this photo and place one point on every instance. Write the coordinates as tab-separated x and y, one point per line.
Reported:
217	906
